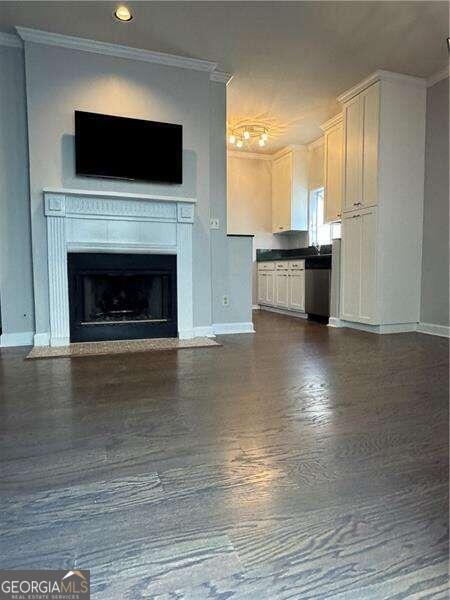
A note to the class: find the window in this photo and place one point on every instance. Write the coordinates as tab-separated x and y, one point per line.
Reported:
320	232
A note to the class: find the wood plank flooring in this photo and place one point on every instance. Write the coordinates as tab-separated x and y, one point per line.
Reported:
301	462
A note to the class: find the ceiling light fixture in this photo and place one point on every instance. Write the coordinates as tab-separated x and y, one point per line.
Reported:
247	134
123	13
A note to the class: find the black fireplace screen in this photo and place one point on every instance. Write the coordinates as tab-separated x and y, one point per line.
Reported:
122	296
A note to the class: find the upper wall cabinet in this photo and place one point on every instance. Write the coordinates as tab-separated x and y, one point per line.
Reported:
290	190
361	129
333	168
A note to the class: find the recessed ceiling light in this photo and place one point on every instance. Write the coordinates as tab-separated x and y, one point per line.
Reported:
123	13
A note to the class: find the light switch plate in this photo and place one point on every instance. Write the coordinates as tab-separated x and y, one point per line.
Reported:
214	223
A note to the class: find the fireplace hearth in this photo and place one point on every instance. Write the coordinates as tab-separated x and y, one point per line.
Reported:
122	296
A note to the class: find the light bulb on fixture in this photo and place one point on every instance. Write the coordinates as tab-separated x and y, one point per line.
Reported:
123	13
239	143
264	136
232	139
246	135
261	142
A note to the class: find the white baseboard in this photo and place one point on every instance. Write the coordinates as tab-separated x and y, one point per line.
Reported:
226	328
433	329
204	331
23	338
256	306
285	311
379	329
42	339
334	322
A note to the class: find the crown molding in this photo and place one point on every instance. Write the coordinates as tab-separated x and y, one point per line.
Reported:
336	120
438	76
221	77
11	40
380	75
316	143
76	43
250	155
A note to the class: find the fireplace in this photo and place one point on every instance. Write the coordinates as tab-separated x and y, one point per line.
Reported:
122	296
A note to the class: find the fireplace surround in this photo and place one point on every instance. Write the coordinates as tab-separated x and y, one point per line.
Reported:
82	222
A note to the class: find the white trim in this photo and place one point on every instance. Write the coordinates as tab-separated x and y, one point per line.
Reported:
334	322
380	329
42	339
439	76
87	45
317	143
24	338
227	328
221	77
285	311
433	329
121	195
256	307
11	40
252	155
336	120
204	331
379	75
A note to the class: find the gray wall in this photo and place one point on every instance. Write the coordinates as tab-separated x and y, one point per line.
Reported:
230	256
59	81
16	298
435	253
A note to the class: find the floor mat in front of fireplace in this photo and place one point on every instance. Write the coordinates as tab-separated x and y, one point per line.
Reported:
119	347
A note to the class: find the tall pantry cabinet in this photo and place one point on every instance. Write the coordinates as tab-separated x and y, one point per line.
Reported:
382	199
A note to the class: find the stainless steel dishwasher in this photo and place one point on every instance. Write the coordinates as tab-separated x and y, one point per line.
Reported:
317	286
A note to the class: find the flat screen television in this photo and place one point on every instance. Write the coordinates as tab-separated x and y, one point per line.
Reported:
123	148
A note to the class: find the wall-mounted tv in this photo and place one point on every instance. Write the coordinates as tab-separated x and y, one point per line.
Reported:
123	148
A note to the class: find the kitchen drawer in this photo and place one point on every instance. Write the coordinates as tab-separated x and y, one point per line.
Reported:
282	265
297	265
266	266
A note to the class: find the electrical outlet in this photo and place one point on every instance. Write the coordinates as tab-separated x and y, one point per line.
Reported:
214	223
225	301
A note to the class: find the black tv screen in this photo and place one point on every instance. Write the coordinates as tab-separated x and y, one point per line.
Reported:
122	148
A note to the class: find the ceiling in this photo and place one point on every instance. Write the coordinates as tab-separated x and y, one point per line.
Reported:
289	59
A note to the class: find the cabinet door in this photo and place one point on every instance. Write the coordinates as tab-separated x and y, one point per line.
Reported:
351	267
352	154
370	108
282	288
297	290
333	173
368	306
358	267
282	193
270	287
262	287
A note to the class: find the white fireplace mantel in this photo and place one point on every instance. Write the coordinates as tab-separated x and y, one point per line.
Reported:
98	221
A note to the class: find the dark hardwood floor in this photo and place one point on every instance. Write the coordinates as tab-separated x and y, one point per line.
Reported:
300	462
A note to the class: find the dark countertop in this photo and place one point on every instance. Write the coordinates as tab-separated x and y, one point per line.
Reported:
263	255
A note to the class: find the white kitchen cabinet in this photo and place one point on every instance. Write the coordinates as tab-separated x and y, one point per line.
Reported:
333	130
297	289
383	182
290	190
360	129
262	287
282	284
359	238
282	288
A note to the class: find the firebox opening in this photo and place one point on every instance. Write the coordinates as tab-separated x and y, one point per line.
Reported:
121	296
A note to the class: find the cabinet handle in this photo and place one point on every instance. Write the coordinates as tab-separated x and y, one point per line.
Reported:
280	227
355	216
356	203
